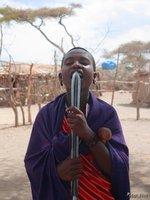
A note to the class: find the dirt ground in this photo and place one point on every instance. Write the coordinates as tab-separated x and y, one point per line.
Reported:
14	184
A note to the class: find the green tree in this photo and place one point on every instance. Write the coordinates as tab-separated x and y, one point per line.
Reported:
37	19
1	39
137	54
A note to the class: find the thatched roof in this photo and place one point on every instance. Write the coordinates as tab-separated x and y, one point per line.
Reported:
24	69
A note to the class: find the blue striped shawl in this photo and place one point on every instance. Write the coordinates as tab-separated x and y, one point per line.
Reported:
48	144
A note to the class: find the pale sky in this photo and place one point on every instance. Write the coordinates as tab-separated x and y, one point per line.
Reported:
127	20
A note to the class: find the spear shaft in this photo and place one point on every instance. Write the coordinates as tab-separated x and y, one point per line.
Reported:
75	101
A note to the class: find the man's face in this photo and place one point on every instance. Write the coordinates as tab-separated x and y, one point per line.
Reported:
80	61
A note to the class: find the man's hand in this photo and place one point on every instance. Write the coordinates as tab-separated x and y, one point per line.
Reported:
70	169
77	122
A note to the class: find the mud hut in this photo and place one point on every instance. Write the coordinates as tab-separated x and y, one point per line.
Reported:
43	80
141	86
38	81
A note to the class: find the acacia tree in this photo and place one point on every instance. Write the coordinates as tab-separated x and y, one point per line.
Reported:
137	54
37	19
13	102
114	82
1	39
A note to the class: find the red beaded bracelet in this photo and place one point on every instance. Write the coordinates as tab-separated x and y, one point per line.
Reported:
93	141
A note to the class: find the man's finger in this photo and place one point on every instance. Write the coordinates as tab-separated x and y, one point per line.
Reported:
74	110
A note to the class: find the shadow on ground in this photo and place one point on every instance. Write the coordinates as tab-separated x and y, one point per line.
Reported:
140	177
131	105
14	184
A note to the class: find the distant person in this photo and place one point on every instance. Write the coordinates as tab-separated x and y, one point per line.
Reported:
102	167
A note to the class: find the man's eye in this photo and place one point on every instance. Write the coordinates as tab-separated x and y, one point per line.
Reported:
84	63
69	63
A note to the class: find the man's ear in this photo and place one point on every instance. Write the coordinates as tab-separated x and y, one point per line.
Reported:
60	78
94	77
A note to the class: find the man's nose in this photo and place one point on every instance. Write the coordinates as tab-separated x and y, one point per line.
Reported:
76	65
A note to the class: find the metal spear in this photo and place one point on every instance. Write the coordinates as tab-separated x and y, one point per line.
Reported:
75	101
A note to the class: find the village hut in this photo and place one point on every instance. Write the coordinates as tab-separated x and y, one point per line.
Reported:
37	80
141	86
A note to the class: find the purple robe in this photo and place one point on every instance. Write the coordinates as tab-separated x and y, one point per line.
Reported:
49	145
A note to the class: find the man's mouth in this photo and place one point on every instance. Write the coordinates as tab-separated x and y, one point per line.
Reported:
80	74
